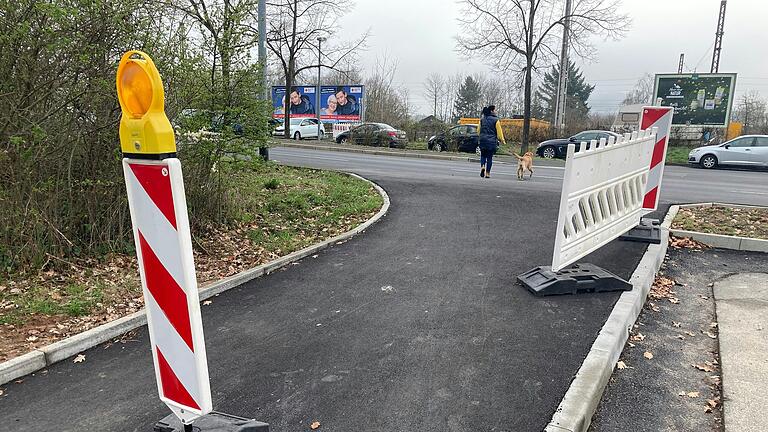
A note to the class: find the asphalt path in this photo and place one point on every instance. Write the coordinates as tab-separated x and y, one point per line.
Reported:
681	184
416	325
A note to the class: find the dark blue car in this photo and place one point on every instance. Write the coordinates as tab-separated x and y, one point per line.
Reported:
558	148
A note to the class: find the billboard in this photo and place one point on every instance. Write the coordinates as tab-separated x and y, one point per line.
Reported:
698	99
337	103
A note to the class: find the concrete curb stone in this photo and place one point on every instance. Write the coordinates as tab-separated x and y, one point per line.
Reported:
65	348
574	414
21	365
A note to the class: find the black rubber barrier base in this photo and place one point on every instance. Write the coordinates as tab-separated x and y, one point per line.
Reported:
647	231
581	278
213	422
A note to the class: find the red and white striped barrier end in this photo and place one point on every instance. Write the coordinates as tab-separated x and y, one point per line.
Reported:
164	249
661	119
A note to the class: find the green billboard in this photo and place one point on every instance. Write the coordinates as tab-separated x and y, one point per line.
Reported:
698	99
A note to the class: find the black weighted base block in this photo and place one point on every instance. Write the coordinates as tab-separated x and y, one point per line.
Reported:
581	278
647	231
212	422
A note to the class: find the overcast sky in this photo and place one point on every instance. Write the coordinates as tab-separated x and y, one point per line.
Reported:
419	34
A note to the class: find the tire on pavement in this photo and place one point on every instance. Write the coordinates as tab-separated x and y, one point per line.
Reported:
708	161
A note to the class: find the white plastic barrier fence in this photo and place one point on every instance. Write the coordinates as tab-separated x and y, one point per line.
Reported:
602	196
339	128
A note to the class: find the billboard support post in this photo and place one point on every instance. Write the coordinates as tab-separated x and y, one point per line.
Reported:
320	41
158	208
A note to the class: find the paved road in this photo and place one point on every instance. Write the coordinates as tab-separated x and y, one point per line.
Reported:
681	184
416	325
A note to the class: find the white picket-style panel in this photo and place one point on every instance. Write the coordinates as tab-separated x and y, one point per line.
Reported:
602	196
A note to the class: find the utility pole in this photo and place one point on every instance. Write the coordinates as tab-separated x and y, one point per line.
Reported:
718	38
262	11
320	41
680	65
562	83
265	93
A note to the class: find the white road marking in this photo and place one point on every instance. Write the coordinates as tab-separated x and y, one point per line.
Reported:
750	192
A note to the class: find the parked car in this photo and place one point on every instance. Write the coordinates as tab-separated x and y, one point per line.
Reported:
748	150
464	138
558	148
374	134
301	128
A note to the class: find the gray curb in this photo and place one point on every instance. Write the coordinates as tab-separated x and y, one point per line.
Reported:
376	152
574	414
723	241
65	348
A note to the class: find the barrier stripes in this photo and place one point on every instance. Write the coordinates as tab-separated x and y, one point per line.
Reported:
661	119
161	231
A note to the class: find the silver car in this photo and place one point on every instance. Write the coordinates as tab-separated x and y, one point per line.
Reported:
747	150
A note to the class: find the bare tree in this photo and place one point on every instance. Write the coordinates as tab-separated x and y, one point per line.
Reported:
387	103
752	111
434	91
642	92
294	29
519	35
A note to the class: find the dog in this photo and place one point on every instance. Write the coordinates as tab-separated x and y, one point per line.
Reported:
524	162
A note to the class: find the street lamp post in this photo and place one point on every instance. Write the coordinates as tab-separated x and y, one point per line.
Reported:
320	41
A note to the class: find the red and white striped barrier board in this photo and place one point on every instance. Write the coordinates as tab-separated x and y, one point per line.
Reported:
164	249
661	119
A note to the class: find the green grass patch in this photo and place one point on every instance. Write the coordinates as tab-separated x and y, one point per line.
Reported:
300	206
740	222
417	145
74	300
678	154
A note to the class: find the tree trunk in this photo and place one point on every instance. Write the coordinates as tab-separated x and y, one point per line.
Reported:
527	110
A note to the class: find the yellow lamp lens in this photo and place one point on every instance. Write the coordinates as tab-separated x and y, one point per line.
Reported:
136	89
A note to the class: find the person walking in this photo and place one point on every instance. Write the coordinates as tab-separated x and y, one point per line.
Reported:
490	136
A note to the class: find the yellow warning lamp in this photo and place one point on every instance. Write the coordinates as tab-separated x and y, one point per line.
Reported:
145	131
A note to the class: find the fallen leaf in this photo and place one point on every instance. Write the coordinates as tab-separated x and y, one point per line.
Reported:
712	402
703	368
710	335
690	333
674	300
207	302
621	365
315	425
31	338
675	324
631	345
707	409
713	325
682	393
2	392
79	358
648	355
693	394
638	337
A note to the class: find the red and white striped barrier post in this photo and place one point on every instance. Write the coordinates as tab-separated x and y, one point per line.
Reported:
661	119
155	188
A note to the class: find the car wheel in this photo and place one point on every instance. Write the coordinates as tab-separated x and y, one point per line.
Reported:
438	147
548	152
708	161
297	136
343	140
477	151
322	136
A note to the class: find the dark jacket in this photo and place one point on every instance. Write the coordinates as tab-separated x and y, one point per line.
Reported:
305	107
351	108
488	137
